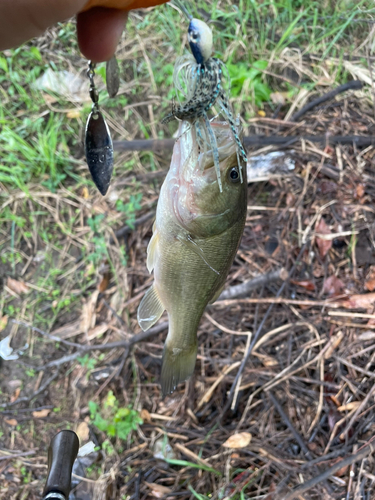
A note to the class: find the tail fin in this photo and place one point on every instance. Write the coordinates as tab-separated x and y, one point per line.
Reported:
178	365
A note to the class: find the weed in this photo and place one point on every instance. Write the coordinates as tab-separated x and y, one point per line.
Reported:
113	420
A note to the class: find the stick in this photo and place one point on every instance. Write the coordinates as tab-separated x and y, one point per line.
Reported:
122	344
288	423
245	288
257	335
159	146
360	455
123	231
353	85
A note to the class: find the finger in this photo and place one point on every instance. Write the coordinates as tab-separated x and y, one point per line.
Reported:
99	30
21	20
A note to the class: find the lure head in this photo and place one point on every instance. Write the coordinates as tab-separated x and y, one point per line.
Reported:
200	40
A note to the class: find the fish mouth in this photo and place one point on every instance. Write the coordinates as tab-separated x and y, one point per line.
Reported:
226	146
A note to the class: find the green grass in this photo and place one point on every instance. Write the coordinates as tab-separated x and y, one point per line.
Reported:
41	146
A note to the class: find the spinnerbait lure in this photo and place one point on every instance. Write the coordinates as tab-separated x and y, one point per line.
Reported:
202	76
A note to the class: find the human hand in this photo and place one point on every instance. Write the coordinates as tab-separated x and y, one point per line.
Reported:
99	22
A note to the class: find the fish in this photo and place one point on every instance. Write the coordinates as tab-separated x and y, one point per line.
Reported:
195	238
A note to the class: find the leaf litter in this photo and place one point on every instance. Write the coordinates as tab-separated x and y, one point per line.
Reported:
318	366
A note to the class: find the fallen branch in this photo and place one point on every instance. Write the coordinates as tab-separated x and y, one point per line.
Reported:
360	455
121	344
353	85
244	288
159	146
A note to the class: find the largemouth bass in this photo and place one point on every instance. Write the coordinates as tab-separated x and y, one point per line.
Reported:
195	239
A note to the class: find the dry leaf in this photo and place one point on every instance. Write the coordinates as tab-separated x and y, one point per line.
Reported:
85	193
307	284
158	490
324	245
42	413
83	431
67	331
88	316
240	440
16	286
103	285
370	279
368	335
73	113
97	331
333	286
360	301
11	421
15	395
3	322
145	416
350	406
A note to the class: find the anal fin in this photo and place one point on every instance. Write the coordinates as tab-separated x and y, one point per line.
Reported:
150	309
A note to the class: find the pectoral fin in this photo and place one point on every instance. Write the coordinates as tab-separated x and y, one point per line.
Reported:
178	365
150	309
152	249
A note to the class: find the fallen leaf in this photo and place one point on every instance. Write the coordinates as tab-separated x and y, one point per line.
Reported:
278	97
324	245
307	284
158	490
98	331
261	113
15	395
370	279
68	330
42	413
3	322
350	406
103	285
240	440
88	315
85	193
74	113
359	191
333	286
369	335
83	431
11	421
360	301
16	286
145	416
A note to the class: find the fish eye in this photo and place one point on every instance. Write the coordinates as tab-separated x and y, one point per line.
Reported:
234	175
194	35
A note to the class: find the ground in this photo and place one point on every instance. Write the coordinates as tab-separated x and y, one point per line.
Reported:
252	425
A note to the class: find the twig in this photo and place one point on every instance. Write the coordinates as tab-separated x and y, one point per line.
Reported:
26	399
15	455
257	335
360	455
353	85
122	344
45	334
245	288
159	146
123	231
289	424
